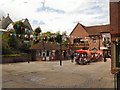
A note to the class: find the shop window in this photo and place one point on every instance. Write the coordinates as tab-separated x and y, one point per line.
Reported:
81	41
40	54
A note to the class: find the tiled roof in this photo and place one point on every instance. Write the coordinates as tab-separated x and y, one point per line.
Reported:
95	30
47	46
28	24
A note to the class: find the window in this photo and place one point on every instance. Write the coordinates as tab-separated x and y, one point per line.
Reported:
47	53
43	54
94	40
78	40
40	53
51	53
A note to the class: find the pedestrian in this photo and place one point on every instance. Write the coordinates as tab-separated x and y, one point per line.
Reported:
88	61
72	57
105	57
78	58
98	56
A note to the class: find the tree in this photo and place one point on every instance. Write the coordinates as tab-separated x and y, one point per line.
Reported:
64	32
12	42
58	32
19	27
38	30
5	47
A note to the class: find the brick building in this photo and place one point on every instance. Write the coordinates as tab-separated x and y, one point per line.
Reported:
115	36
47	51
91	37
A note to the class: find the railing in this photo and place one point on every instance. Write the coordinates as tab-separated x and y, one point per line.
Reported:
78	46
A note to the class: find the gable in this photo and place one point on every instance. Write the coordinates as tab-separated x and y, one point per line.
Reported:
28	24
79	31
5	22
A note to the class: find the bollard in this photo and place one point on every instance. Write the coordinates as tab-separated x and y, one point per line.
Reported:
115	81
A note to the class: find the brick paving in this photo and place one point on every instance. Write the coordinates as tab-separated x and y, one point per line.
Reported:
51	75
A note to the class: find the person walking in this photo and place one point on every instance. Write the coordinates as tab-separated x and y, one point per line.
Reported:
72	57
105	57
78	59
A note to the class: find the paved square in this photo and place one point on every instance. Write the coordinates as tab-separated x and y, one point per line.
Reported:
50	75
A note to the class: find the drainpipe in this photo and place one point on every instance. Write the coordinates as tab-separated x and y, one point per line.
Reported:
99	41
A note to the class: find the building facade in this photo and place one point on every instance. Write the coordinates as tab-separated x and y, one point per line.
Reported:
115	36
48	51
92	37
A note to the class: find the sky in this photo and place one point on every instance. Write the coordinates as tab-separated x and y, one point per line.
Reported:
57	15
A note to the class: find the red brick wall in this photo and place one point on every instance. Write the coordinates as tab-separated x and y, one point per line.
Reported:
79	31
93	45
15	59
115	28
114	17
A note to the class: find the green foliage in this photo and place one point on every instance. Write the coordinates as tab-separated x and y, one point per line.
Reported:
48	33
38	30
17	26
12	42
6	50
5	47
58	39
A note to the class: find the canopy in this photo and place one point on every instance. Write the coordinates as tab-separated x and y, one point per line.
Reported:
96	51
87	51
81	51
99	51
93	51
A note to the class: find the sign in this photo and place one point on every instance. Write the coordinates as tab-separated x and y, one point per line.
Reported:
118	56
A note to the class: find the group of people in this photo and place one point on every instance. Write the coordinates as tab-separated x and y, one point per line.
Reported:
84	58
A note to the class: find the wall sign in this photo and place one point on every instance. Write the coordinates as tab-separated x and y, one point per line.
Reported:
118	56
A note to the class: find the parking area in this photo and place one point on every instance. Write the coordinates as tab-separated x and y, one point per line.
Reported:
51	75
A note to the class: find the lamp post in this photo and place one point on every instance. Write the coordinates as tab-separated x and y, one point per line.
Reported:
60	41
60	54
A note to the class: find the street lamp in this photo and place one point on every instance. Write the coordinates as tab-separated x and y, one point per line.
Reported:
60	41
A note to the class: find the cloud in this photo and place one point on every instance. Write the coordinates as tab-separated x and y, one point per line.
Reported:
2	13
35	22
54	15
48	9
42	23
25	2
